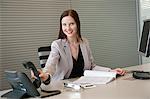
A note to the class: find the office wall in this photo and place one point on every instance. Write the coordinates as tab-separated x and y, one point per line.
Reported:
144	13
0	42
27	25
110	26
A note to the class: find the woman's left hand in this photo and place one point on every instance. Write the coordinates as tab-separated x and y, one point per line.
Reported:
119	71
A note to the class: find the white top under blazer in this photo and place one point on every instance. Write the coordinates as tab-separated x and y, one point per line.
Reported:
60	64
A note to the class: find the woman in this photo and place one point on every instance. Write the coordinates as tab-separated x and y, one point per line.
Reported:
70	54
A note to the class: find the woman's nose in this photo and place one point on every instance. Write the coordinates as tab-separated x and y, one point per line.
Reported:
68	27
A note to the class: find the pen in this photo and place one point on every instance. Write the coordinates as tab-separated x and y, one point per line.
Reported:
88	85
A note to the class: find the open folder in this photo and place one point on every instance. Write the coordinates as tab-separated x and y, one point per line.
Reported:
96	77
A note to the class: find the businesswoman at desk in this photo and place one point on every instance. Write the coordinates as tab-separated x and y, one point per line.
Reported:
70	54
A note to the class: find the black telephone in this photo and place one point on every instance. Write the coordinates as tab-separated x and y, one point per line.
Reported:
141	75
22	85
30	65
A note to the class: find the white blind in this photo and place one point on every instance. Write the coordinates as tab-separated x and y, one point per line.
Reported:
144	14
110	26
26	25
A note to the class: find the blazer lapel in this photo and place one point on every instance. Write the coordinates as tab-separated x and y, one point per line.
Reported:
69	56
85	55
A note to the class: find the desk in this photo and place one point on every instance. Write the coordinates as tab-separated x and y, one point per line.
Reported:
124	87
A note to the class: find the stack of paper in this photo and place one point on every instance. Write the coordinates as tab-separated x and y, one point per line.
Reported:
96	77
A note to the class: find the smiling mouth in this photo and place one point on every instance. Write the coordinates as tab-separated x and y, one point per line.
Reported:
70	32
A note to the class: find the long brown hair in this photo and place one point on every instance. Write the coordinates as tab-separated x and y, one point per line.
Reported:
75	16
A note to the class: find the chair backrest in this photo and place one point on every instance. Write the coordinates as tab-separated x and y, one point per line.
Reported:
43	53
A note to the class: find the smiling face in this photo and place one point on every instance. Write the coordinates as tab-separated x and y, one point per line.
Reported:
69	27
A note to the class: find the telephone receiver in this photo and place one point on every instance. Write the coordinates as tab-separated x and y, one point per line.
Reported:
37	82
31	66
23	87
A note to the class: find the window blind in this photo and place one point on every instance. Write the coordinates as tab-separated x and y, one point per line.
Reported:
111	27
26	25
143	15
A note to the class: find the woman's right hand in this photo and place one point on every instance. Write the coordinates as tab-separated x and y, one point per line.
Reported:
42	75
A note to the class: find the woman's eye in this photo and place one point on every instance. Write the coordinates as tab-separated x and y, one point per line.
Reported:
71	23
64	24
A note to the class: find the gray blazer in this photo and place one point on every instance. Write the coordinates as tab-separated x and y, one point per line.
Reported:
60	63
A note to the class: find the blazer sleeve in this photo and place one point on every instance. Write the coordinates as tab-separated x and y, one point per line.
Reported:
52	60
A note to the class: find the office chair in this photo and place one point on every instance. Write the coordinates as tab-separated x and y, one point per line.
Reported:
43	53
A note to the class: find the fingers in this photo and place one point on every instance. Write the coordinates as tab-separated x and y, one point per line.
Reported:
120	71
32	75
42	75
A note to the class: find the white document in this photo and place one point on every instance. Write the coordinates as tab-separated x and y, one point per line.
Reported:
94	73
96	77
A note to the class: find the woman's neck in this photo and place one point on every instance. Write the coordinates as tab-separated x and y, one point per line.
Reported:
72	40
